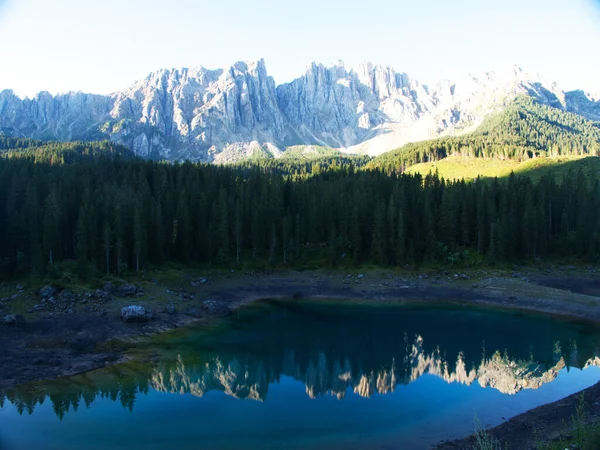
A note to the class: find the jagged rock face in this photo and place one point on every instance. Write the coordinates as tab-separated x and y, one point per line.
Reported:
63	117
197	113
580	102
223	115
340	108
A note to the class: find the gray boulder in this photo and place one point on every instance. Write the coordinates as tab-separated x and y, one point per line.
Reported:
136	313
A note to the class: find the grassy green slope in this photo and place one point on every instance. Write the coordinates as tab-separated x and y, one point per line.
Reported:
522	131
309	152
456	167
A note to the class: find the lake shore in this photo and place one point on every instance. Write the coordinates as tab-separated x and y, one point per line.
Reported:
547	423
52	343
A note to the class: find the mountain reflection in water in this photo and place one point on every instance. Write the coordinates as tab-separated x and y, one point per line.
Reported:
336	350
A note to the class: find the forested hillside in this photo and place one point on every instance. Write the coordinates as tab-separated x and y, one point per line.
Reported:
113	214
524	130
62	152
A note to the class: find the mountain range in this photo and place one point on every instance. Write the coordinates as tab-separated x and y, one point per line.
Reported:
230	114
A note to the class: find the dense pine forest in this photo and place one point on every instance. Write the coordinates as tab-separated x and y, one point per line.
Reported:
98	205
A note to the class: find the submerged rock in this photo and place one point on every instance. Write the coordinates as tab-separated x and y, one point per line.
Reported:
136	313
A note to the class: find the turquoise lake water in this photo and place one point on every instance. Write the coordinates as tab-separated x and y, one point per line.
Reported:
308	374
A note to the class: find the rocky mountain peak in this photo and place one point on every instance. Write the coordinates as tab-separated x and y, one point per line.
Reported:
226	114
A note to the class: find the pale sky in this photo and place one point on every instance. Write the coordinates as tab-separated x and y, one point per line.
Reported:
103	46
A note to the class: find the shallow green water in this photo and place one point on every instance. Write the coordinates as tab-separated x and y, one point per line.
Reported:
285	374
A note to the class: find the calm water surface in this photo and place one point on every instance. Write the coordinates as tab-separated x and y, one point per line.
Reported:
284	374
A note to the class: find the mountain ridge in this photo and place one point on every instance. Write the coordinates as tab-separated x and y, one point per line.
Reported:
221	115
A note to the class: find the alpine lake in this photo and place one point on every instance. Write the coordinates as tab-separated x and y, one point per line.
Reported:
312	374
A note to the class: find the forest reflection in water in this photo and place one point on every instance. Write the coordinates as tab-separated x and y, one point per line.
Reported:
337	350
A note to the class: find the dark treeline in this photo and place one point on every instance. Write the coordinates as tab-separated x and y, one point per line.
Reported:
63	152
299	168
10	143
118	214
524	130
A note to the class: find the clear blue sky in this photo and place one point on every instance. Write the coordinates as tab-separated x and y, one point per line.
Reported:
103	46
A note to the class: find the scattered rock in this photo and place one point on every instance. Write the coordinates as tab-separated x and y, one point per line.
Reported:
171	309
12	319
20	287
194	312
67	296
215	307
198	281
183	295
48	291
123	290
360	276
103	296
135	313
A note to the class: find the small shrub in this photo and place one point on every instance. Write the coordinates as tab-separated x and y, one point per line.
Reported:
484	440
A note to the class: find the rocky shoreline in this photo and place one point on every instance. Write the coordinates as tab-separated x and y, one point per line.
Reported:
48	331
